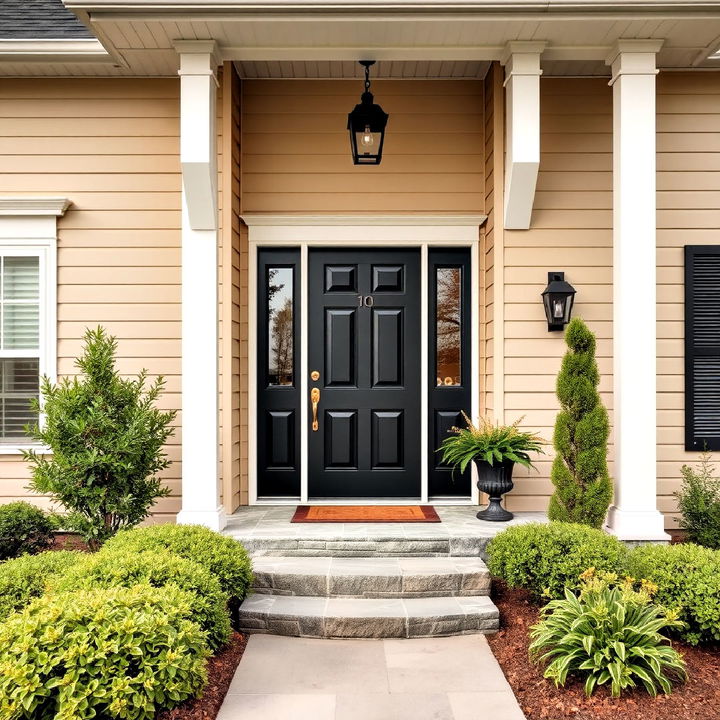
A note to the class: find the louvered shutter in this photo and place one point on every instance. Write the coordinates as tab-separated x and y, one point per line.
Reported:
702	347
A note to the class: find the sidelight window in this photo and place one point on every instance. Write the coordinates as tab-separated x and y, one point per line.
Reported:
448	324
280	317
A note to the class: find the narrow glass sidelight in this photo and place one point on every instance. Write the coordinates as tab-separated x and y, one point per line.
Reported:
280	315
448	328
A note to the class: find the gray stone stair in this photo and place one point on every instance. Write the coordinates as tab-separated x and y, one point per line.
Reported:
323	617
376	577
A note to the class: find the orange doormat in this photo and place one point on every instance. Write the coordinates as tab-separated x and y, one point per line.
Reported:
365	514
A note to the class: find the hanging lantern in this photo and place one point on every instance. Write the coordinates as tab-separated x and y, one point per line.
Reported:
366	124
558	299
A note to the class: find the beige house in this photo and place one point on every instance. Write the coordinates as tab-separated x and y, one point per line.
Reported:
180	172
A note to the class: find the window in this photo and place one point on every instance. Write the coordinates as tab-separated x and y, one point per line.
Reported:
27	309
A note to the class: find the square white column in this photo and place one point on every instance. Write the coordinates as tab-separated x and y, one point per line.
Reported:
634	514
200	361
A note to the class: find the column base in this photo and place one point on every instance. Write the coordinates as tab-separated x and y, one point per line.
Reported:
213	519
640	526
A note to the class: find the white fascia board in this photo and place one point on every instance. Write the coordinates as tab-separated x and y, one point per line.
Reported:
75	51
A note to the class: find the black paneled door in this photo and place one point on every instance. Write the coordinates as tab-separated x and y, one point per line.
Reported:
364	373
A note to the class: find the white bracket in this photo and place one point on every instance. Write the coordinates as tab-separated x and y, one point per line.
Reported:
522	112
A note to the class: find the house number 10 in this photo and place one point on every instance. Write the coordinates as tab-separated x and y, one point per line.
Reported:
366	300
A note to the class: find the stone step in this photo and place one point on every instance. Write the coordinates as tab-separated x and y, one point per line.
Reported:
379	577
303	616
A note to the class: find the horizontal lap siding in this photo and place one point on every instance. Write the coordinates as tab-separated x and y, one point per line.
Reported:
688	182
571	231
111	147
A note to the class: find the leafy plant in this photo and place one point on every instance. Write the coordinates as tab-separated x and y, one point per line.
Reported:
115	568
222	556
545	558
108	653
583	489
699	503
25	578
106	439
688	580
490	442
24	528
608	633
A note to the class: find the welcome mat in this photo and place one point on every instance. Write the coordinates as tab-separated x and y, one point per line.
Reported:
365	514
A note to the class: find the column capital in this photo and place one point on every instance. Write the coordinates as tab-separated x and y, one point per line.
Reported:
197	57
522	57
633	57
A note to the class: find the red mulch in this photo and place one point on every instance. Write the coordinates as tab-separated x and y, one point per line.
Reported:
698	699
221	668
69	541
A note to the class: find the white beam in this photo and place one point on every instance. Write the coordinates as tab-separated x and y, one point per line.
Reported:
200	362
634	514
522	116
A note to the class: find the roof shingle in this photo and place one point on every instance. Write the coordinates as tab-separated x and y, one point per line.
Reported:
39	20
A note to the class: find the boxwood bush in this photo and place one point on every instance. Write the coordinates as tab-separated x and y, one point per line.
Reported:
111	568
24	528
688	580
110	653
25	578
547	558
222	556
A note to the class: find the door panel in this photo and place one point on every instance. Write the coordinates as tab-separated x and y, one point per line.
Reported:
364	335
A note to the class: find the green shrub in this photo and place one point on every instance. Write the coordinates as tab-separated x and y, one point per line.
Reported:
25	578
105	653
110	568
583	490
547	558
608	633
224	557
688	580
106	438
24	528
699	503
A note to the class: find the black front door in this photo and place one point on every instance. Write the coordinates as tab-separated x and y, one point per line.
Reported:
364	373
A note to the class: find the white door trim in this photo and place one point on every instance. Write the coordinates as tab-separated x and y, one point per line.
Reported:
406	231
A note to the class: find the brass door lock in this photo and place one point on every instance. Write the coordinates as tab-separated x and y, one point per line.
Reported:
314	375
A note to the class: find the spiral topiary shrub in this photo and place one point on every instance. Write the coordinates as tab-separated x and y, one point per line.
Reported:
111	568
107	653
222	556
547	558
583	490
25	578
24	528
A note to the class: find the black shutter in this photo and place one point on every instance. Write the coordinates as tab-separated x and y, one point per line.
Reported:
702	347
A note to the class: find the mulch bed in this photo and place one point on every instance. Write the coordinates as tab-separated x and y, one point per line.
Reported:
221	668
69	541
699	699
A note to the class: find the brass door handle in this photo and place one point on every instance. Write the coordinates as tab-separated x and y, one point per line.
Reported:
315	399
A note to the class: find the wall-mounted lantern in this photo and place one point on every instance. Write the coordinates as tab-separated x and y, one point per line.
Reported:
558	299
366	124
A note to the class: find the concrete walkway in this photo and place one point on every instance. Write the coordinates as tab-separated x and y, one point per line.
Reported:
453	678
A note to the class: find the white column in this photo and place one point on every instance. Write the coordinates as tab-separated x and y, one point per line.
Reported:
522	116
200	362
634	514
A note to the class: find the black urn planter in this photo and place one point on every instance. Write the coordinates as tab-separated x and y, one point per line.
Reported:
495	481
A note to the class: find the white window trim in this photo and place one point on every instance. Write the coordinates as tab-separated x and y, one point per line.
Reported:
28	226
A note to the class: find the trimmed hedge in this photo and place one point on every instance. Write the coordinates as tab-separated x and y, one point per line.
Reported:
118	568
546	558
111	653
24	528
25	578
222	556
688	579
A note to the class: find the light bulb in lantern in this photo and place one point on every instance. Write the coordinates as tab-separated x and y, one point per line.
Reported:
558	309
368	139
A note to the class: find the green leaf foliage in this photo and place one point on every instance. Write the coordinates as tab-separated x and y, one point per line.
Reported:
106	438
25	578
583	490
107	653
545	558
699	503
25	528
222	556
608	634
122	568
688	580
491	443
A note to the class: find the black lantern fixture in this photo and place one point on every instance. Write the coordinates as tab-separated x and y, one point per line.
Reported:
366	124
558	299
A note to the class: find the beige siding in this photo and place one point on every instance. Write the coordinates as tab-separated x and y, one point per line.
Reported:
111	147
